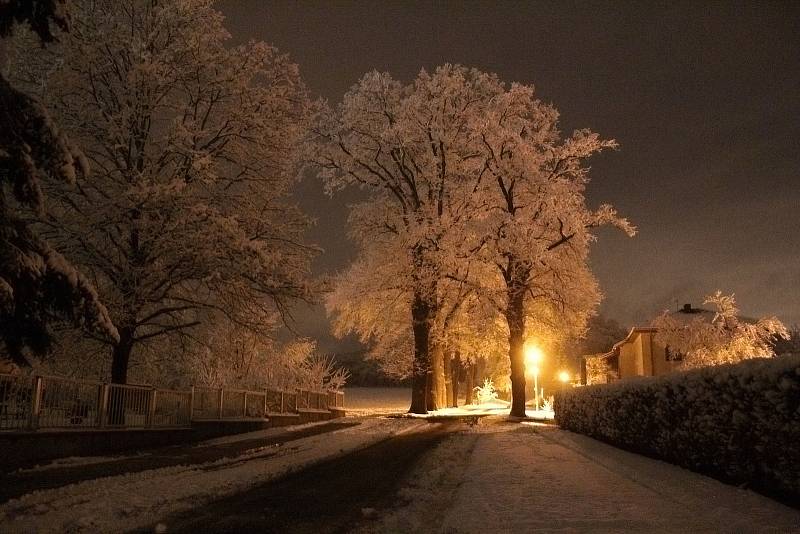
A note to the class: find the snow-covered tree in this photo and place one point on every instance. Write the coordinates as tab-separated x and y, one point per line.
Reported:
536	228
723	339
461	170
38	286
407	146
236	357
191	145
362	302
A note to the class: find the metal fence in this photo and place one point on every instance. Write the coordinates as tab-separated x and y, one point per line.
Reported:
15	402
313	400
206	403
336	399
172	408
223	403
52	402
64	403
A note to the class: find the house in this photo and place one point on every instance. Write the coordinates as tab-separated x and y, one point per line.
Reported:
638	354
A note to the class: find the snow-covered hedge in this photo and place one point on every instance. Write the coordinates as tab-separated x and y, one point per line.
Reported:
737	422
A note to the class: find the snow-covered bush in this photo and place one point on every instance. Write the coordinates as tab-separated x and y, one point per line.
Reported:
737	422
486	393
598	370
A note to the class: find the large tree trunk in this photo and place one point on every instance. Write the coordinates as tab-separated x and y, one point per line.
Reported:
120	358
455	376
448	378
436	395
121	355
469	383
515	315
422	318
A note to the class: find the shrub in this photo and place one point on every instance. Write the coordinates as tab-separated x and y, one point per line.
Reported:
486	393
737	422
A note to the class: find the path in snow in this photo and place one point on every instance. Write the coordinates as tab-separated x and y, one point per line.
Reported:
505	477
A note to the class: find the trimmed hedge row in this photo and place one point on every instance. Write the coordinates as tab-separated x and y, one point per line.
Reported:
737	422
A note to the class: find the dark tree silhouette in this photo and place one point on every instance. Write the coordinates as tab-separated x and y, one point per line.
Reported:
37	285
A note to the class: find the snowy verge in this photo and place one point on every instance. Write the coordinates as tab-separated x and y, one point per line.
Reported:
137	500
738	422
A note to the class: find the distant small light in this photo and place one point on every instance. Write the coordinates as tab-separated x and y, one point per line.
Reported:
563	376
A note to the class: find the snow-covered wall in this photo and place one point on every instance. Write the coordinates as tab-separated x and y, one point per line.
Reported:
737	422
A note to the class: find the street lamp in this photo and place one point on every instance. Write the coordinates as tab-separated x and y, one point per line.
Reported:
533	355
563	377
535	371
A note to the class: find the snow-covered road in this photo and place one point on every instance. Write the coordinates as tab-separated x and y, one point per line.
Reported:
135	500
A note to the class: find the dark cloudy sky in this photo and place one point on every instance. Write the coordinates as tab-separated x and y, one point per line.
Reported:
703	98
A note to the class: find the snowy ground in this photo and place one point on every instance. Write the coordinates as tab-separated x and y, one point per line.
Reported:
496	407
531	477
394	401
494	476
125	502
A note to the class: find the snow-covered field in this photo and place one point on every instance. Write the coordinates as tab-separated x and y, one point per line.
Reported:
372	401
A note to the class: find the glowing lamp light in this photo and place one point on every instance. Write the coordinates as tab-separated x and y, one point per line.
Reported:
563	377
533	355
535	370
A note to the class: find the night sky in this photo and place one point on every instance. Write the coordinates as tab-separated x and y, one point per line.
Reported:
702	97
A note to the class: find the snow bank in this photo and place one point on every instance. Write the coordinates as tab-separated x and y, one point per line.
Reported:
738	422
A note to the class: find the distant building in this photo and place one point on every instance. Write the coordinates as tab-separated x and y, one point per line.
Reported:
638	354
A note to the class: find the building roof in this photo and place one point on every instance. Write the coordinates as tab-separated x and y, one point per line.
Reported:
615	349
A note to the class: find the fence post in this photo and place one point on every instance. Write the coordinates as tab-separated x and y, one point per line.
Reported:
151	407
244	405
219	408
191	404
102	405
264	413
36	402
283	403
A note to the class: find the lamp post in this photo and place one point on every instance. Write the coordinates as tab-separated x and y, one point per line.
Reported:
533	355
